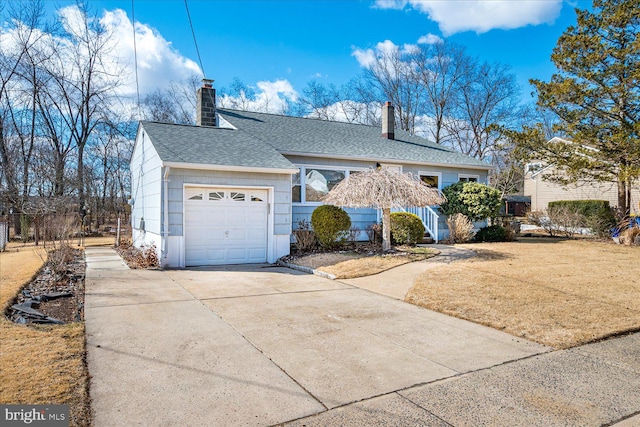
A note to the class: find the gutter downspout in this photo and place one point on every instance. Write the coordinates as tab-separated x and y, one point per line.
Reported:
165	222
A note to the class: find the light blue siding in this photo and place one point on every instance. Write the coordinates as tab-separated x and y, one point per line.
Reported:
360	218
281	184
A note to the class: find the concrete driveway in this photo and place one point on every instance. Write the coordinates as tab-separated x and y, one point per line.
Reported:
262	345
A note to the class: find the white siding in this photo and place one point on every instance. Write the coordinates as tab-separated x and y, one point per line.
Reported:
146	187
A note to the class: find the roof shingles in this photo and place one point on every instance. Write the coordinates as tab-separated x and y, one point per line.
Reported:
260	140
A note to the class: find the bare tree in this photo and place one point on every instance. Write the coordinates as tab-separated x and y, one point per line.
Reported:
17	113
82	78
442	68
394	72
488	97
175	104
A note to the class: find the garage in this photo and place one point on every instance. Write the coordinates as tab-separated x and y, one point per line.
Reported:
225	225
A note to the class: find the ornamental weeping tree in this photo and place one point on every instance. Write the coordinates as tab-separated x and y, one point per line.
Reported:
383	189
596	96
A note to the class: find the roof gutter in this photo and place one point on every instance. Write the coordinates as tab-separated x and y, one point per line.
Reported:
386	160
226	168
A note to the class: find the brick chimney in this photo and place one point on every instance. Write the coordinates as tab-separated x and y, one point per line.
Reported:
388	117
206	104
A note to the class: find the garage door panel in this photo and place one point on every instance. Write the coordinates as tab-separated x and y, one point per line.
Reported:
232	229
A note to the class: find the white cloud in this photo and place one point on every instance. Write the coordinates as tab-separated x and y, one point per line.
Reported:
481	15
430	39
386	49
158	62
365	57
382	52
270	97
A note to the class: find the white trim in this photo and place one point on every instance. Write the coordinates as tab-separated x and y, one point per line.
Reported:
431	173
468	175
379	160
271	236
204	166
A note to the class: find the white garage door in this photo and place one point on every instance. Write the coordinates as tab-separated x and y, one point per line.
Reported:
225	226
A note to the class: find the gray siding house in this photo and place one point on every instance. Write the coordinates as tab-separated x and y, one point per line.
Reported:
231	189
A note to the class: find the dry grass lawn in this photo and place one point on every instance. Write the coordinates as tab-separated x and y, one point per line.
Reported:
561	293
39	364
348	265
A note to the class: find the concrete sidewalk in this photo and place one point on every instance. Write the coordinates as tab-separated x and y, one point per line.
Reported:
397	281
263	345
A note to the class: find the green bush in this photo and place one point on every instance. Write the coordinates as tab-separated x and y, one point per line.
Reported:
597	214
474	200
331	225
492	233
406	228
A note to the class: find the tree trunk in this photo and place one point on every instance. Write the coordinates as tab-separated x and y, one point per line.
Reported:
624	199
386	229
80	178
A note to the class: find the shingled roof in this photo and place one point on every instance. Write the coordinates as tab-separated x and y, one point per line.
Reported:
261	140
212	146
305	136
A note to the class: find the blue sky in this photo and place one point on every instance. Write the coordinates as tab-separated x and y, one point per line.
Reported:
296	41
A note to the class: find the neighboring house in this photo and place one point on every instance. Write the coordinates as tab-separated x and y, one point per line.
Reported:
543	191
231	189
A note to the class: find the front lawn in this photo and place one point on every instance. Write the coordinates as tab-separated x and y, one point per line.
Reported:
40	364
561	293
347	265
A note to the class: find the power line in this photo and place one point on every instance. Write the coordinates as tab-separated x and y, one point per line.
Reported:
195	42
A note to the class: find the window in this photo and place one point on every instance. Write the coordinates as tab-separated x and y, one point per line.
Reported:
318	183
296	188
193	194
468	178
394	168
216	195
533	167
312	183
432	179
237	197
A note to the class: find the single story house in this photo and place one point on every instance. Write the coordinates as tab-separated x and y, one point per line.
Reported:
230	189
543	191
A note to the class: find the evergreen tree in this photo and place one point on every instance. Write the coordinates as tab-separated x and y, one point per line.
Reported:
596	96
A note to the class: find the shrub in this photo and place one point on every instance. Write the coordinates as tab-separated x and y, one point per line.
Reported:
142	257
628	231
374	233
566	219
474	200
406	228
460	228
305	237
353	235
597	215
492	233
331	225
542	220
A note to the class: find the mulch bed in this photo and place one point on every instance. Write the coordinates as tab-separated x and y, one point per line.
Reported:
57	296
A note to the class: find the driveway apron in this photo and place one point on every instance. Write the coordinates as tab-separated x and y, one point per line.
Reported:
261	345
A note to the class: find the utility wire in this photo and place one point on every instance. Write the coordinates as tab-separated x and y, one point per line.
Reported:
195	42
135	55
